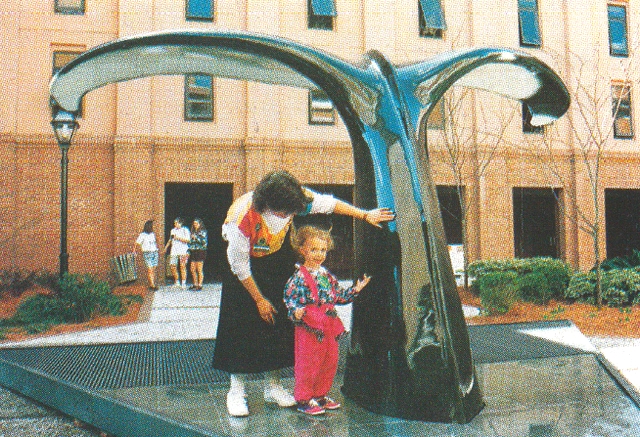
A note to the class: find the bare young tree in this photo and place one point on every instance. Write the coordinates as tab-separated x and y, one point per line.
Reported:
600	111
472	129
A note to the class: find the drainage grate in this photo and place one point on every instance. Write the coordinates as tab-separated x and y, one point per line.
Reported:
123	365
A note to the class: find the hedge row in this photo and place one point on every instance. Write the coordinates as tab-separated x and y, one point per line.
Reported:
500	283
620	287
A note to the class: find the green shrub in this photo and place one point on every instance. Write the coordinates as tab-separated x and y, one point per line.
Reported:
620	287
78	299
39	308
556	275
534	287
83	297
15	282
582	287
498	291
622	262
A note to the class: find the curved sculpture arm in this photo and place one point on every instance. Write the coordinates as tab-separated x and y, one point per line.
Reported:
233	55
507	72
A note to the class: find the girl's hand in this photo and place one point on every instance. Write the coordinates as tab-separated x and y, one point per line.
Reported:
361	283
380	215
266	311
299	313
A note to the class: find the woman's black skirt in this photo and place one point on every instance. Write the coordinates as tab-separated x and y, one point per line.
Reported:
245	343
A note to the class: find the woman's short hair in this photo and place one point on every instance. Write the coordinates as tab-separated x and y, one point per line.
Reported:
302	234
280	191
179	220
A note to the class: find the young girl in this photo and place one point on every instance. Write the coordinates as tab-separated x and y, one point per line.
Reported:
310	296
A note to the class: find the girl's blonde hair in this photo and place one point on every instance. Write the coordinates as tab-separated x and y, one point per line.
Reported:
299	236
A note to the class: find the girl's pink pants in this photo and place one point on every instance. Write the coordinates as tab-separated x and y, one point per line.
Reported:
315	366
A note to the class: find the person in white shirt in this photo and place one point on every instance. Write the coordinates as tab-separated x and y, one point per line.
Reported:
254	333
179	241
148	244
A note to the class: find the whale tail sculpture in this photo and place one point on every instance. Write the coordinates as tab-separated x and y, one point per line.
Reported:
409	354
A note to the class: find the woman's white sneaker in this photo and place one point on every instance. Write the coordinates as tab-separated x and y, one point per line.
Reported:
237	404
278	395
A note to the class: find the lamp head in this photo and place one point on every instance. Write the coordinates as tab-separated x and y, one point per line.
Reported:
64	125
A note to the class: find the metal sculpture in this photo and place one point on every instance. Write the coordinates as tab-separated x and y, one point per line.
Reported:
409	354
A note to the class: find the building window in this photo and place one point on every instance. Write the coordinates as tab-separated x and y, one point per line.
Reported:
320	14
198	97
69	7
618	30
529	23
622	121
60	59
527	127
321	110
201	10
431	18
436	117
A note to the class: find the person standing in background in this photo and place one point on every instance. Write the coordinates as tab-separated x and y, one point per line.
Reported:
179	241
197	252
149	246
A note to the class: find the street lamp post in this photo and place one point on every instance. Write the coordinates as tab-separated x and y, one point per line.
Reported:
64	126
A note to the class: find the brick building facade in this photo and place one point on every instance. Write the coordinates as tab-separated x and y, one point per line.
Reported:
138	155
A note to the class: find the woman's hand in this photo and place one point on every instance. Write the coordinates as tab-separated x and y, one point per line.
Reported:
361	283
379	215
266	310
299	313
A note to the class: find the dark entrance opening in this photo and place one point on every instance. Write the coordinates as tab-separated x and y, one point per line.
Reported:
210	202
451	212
535	222
623	221
340	259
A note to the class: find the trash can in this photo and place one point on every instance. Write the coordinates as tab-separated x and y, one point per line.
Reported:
124	267
168	274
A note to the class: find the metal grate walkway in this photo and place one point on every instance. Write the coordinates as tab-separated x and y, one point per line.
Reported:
179	363
123	365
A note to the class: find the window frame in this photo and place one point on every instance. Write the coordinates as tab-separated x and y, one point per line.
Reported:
317	21
188	115
80	10
621	92
623	22
431	20
189	17
529	16
319	121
